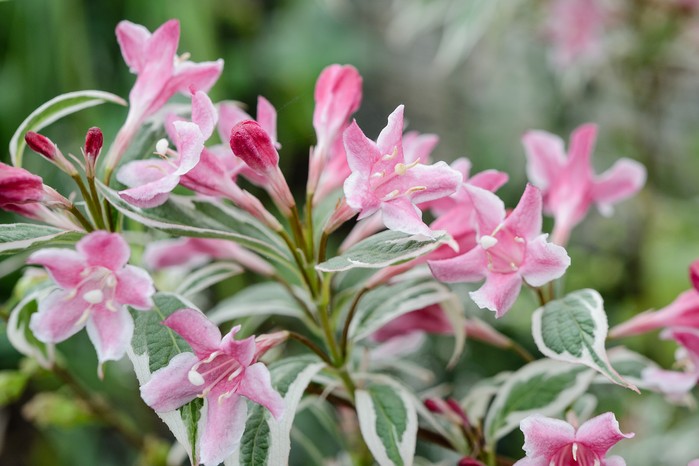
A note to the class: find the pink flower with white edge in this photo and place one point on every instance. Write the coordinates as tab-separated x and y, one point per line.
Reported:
676	384
552	442
160	75
151	181
95	285
509	251
682	312
382	181
569	185
220	370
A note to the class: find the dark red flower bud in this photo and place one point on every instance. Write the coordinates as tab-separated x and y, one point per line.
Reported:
18	186
252	144
433	406
93	143
41	144
470	462
694	274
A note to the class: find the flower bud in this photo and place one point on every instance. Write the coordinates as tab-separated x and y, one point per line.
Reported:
18	186
694	274
468	461
93	144
41	145
252	144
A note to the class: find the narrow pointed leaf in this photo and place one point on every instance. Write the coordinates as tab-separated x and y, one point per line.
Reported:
22	237
573	329
206	277
263	299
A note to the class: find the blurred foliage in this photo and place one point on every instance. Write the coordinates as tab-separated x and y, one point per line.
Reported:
478	87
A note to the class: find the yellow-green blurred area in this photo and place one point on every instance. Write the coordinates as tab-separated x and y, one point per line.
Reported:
476	72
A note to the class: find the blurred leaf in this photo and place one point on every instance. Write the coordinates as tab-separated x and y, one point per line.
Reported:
53	409
22	237
12	384
257	300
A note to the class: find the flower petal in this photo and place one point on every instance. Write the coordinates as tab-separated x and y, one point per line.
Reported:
391	136
545	157
59	317
197	330
140	172
600	433
267	118
544	437
169	387
544	261
134	288
204	113
256	385
418	146
64	265
671	383
682	312
229	115
623	180
468	267
361	151
221	427
401	215
498	293
489	209
242	351
525	220
110	332
582	143
104	249
437	180
151	194
490	180
190	144
132	40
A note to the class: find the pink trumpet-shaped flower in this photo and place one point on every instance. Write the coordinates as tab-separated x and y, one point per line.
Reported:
682	312
18	186
152	180
382	181
95	286
569	185
161	74
509	250
676	384
220	370
576	30
552	442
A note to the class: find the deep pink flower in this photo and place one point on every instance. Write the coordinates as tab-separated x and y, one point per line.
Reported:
569	185
220	370
682	312
552	442
382	181
95	286
152	180
509	250
18	186
161	74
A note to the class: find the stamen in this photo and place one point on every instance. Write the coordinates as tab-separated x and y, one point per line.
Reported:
195	378
94	296
110	306
575	452
161	147
415	189
402	168
513	266
83	318
390	195
519	239
391	155
487	242
380	174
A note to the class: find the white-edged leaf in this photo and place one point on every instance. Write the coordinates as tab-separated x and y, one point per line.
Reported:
188	216
573	329
382	305
18	332
545	387
476	402
267	441
54	110
454	312
388	423
630	365
206	277
256	300
384	249
20	237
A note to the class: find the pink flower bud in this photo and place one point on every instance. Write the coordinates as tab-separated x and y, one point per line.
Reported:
41	144
694	274
93	143
467	461
18	186
434	406
252	144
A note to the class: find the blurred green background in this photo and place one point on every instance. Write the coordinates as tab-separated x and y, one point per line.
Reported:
476	72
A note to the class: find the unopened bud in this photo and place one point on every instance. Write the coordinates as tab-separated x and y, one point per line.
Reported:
93	143
18	186
252	144
694	274
41	145
468	461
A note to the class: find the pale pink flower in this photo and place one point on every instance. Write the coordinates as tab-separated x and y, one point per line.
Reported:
95	285
382	181
151	181
338	94
569	185
676	384
682	312
576	31
160	75
552	442
509	250
220	370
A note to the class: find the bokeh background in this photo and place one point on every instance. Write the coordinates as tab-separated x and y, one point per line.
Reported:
478	73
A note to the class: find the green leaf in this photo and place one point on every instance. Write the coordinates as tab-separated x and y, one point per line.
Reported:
382	305
54	110
383	249
22	237
258	300
206	277
266	441
18	332
12	384
573	329
186	216
546	387
388	422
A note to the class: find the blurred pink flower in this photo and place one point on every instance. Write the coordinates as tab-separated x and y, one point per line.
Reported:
18	186
682	312
552	442
95	286
576	30
509	250
676	384
220	370
569	186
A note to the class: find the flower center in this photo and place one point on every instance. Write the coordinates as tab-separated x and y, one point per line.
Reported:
505	251
213	370
575	454
386	171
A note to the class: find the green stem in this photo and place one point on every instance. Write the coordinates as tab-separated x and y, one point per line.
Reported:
299	262
81	218
322	248
309	224
312	346
329	334
521	351
98	204
304	307
348	320
90	202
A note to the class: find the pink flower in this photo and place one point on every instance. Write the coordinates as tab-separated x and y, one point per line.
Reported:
569	185
576	29
382	181
220	370
676	384
18	186
161	74
509	250
694	274
151	180
95	286
682	312
552	442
